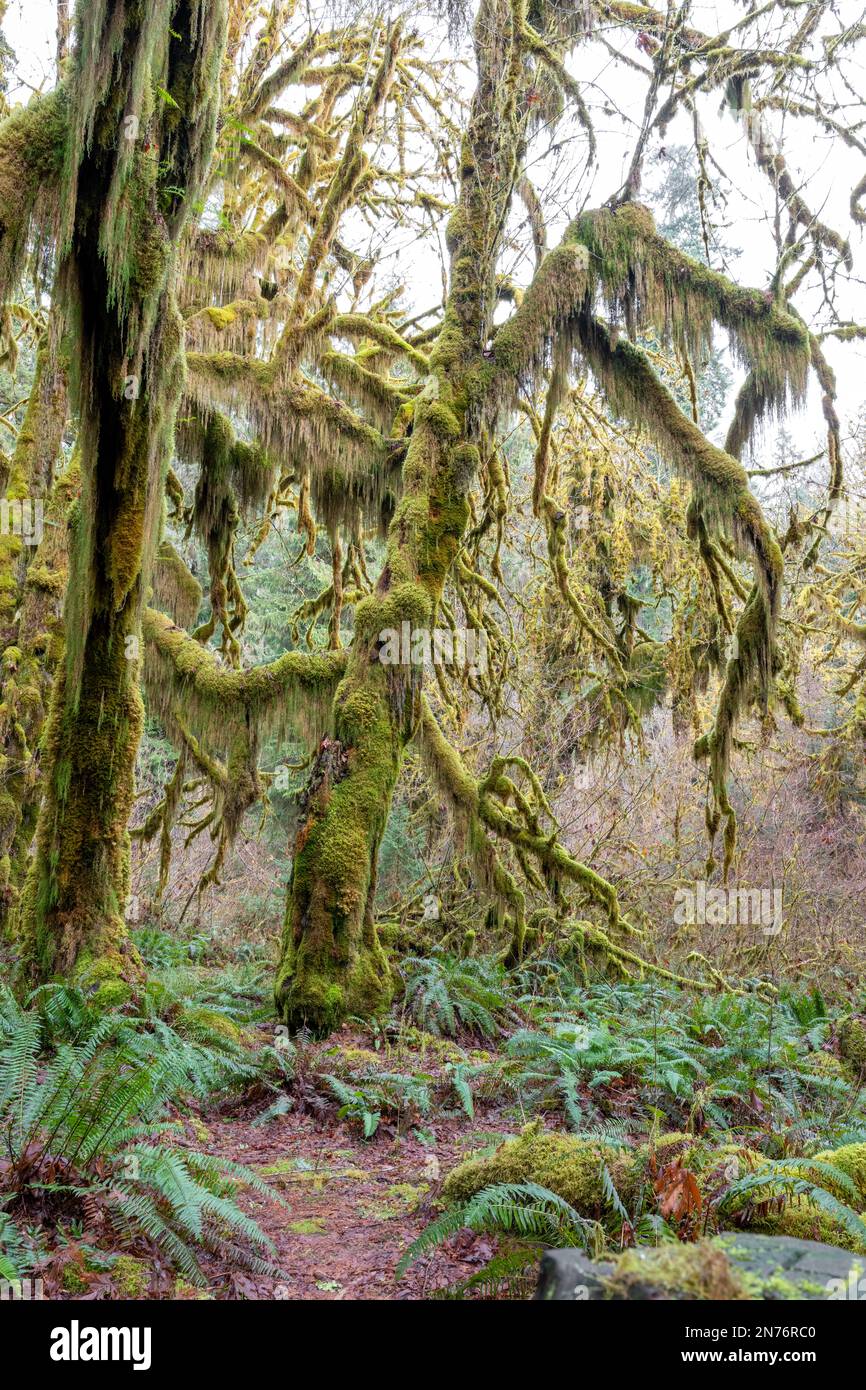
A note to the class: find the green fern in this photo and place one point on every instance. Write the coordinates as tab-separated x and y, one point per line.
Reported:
782	1180
445	993
524	1210
90	1122
367	1098
512	1276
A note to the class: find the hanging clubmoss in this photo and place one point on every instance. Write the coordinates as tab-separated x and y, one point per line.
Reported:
32	583
32	145
175	588
644	280
291	694
616	257
234	479
301	426
725	501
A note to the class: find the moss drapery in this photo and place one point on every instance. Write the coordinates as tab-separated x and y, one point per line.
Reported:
142	109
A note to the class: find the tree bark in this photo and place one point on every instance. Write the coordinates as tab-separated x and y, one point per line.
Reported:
32	581
331	962
137	175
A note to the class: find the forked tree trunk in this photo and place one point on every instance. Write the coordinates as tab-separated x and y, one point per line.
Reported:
331	962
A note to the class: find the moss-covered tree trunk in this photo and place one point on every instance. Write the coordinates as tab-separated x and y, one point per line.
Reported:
32	582
331	963
143	99
30	596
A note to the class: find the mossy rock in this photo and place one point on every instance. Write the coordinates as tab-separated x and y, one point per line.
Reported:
851	1159
852	1042
569	1166
804	1220
702	1271
731	1267
572	1168
203	1023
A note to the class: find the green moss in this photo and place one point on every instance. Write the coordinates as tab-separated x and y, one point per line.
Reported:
221	317
440	1049
408	1195
852	1042
73	1279
439	419
805	1221
568	1166
280	1166
130	1276
823	1064
317	1177
701	1271
106	978
332	962
355	1058
113	995
202	1022
309	1226
190	1292
850	1159
199	1129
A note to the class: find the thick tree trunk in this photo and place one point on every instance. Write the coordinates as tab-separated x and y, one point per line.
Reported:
331	962
75	896
131	201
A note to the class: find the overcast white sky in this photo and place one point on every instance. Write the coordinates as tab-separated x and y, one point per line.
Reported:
827	168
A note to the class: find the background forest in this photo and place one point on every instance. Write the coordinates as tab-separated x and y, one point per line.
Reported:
533	330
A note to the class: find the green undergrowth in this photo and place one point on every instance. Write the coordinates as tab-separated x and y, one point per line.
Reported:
659	1117
95	1110
623	1115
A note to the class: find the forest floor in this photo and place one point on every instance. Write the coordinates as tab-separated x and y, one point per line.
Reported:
345	1208
354	1134
352	1206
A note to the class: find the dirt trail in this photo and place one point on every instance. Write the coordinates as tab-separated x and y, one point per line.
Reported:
352	1207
